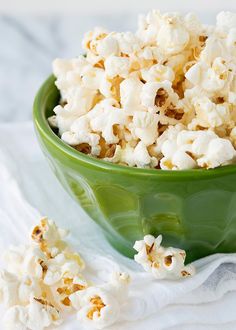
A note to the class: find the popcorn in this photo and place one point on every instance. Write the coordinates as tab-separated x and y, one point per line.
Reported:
220	151
108	46
149	27
117	66
128	43
64	264
68	286
158	95
37	315
78	138
144	127
190	149
162	263
142	157
44	281
130	88
172	37
93	38
211	79
39	278
100	306
158	73
14	291
233	136
226	19
49	237
209	114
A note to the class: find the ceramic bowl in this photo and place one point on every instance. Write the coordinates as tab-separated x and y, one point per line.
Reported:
193	209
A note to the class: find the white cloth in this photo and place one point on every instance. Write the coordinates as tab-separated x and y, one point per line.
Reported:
28	188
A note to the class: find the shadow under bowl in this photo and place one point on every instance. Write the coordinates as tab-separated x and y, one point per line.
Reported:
194	209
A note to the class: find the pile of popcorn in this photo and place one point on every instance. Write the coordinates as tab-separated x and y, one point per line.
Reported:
44	282
163	97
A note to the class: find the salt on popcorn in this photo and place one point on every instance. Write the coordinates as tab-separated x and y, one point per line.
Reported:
162	263
174	69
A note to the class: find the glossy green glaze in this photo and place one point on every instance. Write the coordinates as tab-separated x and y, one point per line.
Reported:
194	210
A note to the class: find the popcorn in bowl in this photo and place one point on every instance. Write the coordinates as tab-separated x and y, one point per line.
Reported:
163	97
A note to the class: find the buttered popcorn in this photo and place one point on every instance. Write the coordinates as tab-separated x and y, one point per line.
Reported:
130	89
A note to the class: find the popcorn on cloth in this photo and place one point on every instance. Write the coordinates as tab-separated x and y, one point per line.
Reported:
44	280
38	314
173	70
39	278
162	263
100	306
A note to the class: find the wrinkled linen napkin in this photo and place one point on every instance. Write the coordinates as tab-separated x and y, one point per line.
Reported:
28	189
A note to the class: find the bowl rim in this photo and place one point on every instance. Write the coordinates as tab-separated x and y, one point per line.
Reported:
43	127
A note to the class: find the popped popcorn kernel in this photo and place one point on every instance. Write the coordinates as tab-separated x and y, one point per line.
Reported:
162	263
100	306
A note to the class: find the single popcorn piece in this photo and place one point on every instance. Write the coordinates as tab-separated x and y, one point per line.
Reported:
129	89
220	151
162	263
158	95
158	73
67	263
144	127
28	261
100	306
49	237
172	37
209	114
93	38
128	42
142	157
108	46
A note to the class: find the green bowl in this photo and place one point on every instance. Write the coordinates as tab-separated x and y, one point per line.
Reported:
194	210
